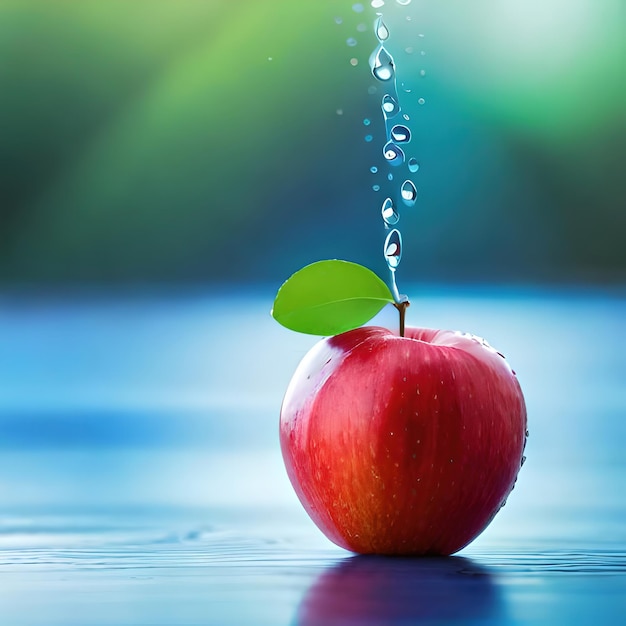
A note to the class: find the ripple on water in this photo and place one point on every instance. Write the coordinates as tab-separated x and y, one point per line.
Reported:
61	544
214	574
569	562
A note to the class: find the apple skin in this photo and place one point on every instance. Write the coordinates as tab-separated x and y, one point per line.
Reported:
403	445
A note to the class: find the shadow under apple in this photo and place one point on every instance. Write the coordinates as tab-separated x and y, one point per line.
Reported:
388	591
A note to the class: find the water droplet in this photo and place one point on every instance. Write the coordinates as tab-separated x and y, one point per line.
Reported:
409	50
381	30
368	138
354	62
422	72
361	27
358	8
390	106
338	20
523	461
527	433
373	169
401	133
393	249
421	101
376	187
382	65
413	165
351	41
339	111
389	176
393	154
406	117
372	89
403	2
423	53
367	122
408	192
376	4
389	213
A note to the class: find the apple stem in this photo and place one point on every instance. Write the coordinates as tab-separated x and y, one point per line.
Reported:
402	306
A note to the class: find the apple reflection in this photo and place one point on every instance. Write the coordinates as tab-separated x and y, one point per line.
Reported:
377	591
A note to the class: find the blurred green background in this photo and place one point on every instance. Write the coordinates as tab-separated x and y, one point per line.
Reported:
199	141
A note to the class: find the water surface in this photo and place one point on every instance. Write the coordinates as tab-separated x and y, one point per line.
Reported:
141	481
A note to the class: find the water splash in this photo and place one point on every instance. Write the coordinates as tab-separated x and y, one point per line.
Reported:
389	213
401	133
383	66
393	249
390	107
382	32
408	191
393	254
393	154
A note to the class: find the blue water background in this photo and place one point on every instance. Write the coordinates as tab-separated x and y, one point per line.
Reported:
141	480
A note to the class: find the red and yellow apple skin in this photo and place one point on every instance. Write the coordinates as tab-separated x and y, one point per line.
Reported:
403	445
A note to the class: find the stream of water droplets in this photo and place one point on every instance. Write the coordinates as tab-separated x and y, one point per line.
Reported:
398	134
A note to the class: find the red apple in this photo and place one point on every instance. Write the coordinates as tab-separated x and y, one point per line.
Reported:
403	445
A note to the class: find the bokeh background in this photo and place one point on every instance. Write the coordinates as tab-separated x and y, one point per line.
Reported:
165	165
200	141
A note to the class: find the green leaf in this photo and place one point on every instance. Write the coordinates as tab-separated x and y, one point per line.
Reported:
330	297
